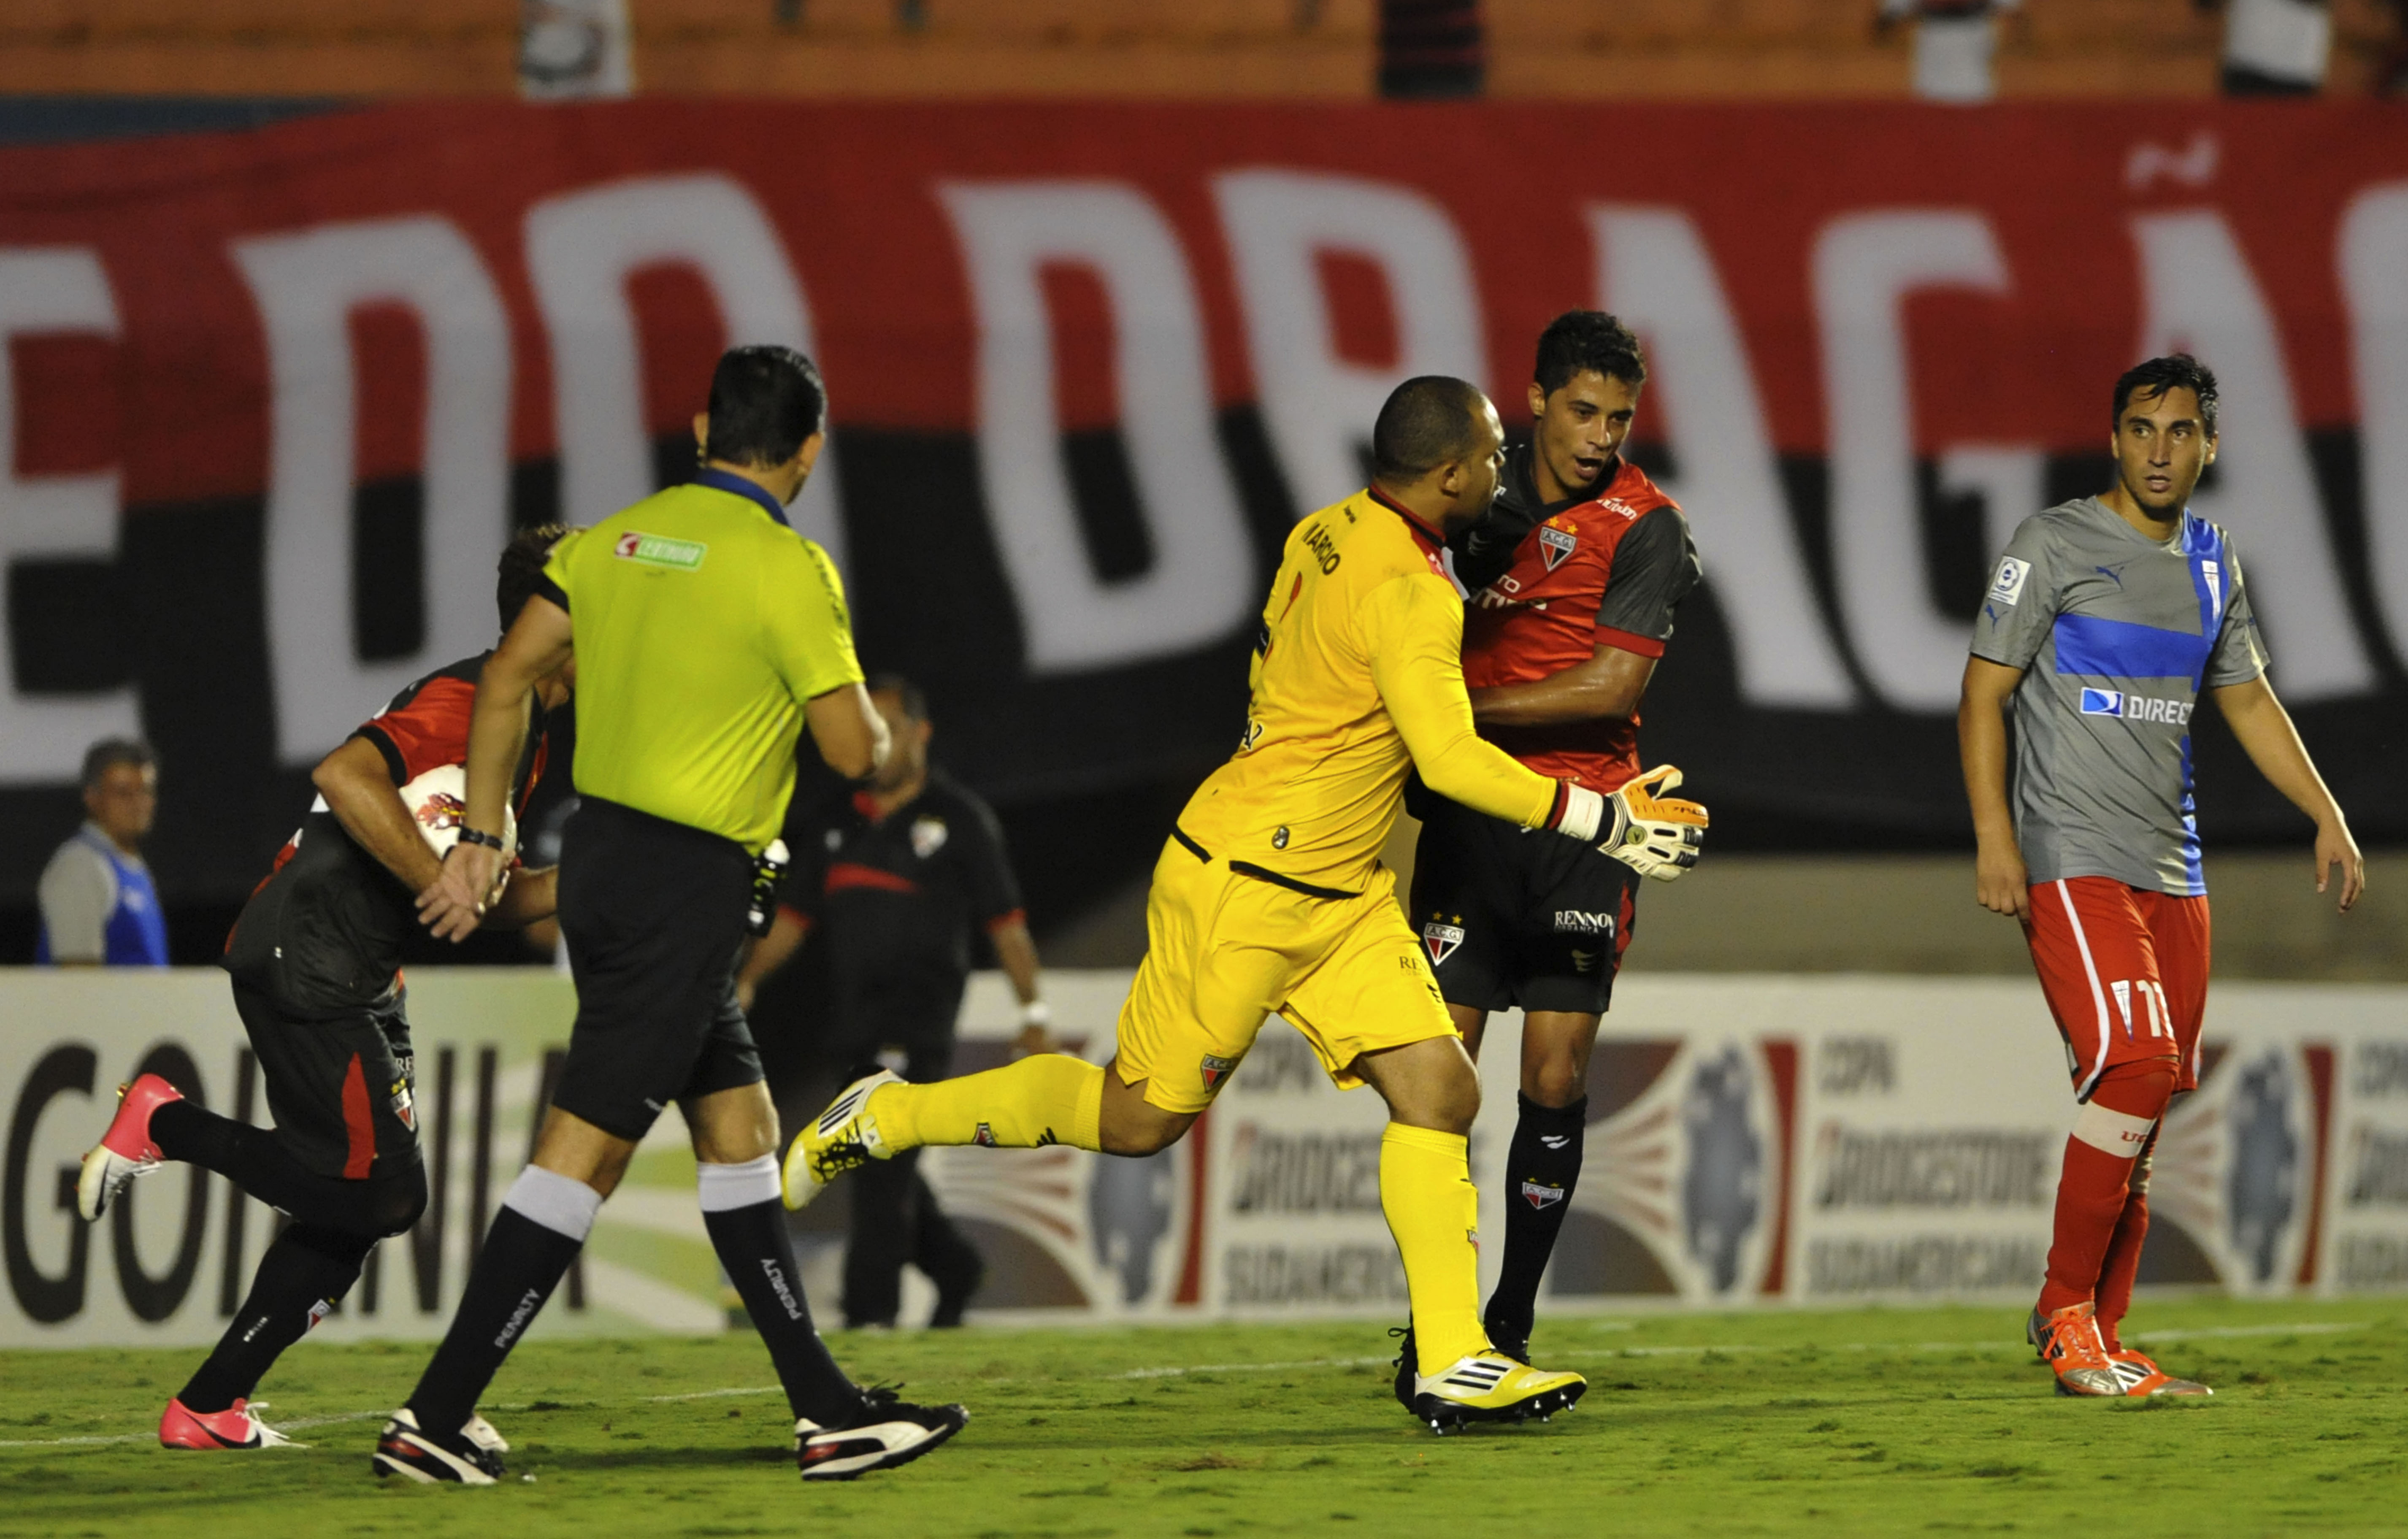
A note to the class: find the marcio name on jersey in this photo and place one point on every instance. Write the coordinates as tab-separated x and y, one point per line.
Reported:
2136	708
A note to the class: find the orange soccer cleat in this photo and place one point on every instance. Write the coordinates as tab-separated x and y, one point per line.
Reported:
2069	1341
2142	1378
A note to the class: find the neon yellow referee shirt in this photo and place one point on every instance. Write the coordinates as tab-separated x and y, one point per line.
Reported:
701	624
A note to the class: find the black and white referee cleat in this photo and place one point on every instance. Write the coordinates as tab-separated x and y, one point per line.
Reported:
883	1433
485	1435
410	1451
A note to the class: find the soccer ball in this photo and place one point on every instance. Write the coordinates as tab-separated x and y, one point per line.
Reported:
439	799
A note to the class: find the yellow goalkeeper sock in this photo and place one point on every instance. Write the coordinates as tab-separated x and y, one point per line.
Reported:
1433	1211
1046	1097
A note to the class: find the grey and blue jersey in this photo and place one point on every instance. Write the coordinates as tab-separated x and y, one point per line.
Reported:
2117	633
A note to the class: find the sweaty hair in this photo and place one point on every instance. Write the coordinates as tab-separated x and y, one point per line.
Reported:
108	753
916	701
2177	371
522	563
1583	341
1425	422
764	401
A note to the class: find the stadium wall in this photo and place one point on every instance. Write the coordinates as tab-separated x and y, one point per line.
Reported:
272	398
1753	1140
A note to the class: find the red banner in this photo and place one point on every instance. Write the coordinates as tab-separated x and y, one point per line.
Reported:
273	399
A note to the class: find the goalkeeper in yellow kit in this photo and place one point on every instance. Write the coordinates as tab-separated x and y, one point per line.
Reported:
1270	898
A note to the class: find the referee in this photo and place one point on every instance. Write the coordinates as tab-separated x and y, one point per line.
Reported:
706	634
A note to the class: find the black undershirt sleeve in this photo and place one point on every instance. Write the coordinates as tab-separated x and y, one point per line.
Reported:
1654	567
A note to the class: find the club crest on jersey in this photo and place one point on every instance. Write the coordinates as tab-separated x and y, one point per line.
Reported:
929	836
984	1137
1555	545
1440	939
1540	1196
402	1105
1216	1070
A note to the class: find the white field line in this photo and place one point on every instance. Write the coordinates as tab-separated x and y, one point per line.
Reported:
1590	1355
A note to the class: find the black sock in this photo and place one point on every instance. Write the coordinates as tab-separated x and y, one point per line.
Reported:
1542	1170
759	1255
254	1159
306	1272
521	1263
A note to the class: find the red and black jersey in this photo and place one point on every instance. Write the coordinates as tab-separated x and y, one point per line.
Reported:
324	930
897	898
1552	583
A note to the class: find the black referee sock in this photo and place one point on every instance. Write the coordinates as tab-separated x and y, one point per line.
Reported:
748	1228
542	1226
306	1272
1542	1170
754	1247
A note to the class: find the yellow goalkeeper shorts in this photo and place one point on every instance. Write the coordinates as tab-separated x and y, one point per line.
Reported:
1224	950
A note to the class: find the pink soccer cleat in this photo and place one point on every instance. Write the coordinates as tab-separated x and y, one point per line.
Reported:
235	1427
126	1150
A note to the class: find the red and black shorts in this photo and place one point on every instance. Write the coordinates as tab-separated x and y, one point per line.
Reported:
1511	917
2125	971
338	1085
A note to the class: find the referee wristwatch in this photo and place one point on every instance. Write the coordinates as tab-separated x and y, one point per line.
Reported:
479	836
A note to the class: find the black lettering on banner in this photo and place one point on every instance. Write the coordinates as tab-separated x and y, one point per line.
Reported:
426	1237
1955	1168
150	1298
45	1299
1850	1066
1305	1173
2382	1069
1272	1274
238	1210
2378	1169
480	1150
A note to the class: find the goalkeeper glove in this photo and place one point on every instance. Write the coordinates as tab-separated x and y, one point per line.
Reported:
1655	835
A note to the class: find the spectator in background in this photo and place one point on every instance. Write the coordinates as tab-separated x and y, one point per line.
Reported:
2274	48
98	905
898	877
1953	41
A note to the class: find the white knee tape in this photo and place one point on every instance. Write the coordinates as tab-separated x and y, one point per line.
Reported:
721	1187
560	1203
2112	1131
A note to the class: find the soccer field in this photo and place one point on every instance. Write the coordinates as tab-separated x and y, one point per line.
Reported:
1873	1419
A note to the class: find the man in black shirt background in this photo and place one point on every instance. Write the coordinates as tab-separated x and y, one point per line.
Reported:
897	876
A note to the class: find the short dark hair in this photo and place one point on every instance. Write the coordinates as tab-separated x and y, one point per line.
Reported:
1582	341
1425	422
764	401
915	701
108	753
522	563
2175	371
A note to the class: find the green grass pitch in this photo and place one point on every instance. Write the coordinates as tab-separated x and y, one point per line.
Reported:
1870	1420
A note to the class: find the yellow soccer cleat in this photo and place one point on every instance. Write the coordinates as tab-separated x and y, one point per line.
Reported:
842	1138
1492	1387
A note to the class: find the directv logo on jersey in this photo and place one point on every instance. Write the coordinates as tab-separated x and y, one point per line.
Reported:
2135	707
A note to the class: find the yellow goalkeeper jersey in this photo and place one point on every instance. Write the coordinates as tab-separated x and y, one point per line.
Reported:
1357	676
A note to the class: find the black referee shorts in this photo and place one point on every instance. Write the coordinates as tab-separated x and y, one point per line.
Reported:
1512	917
653	915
